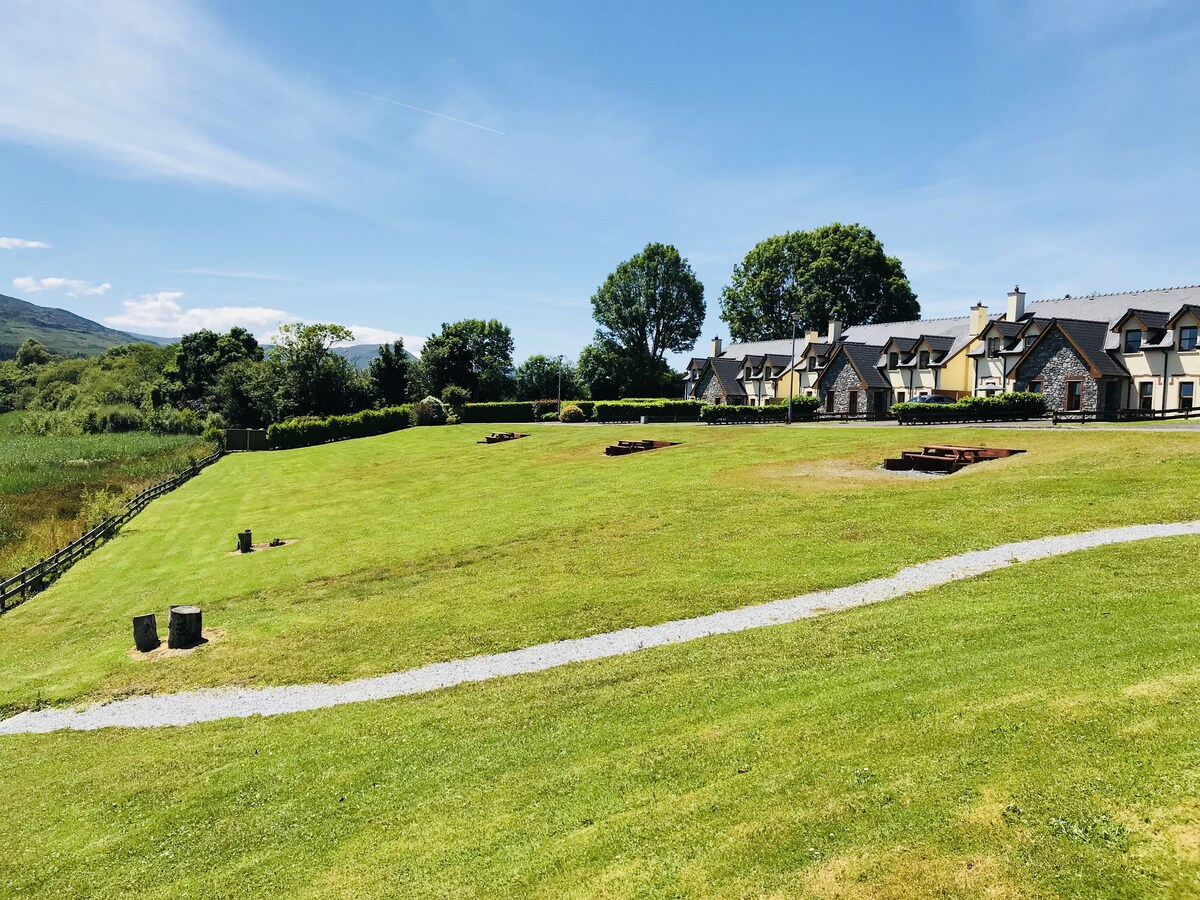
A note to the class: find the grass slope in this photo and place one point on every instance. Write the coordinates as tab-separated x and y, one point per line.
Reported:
422	546
1031	733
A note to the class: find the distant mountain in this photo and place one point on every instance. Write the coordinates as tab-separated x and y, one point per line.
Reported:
360	355
61	331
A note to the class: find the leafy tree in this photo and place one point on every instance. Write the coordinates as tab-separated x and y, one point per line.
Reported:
244	394
313	380
389	374
32	352
200	360
454	398
473	354
607	372
538	379
652	304
832	272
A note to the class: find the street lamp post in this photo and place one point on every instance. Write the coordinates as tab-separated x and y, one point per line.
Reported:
792	368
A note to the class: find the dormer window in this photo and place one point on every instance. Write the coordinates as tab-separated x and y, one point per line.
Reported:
1187	337
893	360
923	359
1133	340
1029	339
812	364
993	347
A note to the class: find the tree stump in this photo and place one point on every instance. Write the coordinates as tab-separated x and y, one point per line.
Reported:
245	541
145	633
184	628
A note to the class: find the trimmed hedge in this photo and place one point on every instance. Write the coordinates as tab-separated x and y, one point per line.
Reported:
518	410
1013	405
624	411
308	430
722	413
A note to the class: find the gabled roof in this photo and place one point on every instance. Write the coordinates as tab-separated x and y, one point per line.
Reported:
1192	308
726	372
1088	339
862	358
776	359
902	344
697	362
1153	319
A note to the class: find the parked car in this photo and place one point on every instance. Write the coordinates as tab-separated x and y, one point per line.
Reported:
934	398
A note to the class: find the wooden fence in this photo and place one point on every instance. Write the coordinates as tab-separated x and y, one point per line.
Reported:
20	587
1127	415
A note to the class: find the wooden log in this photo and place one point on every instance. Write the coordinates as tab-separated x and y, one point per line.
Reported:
245	541
145	633
185	626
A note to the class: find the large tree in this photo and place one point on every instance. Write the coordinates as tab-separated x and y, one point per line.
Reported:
389	374
609	372
538	379
313	380
200	359
833	272
473	354
652	304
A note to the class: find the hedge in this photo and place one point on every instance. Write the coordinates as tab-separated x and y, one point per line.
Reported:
625	411
718	413
1012	405
515	411
308	430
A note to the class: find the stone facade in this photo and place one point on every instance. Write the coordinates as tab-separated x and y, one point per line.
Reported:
841	378
709	390
1054	362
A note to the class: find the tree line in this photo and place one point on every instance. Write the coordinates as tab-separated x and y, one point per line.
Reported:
652	304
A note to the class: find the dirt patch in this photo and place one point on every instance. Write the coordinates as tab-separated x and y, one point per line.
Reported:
266	545
207	636
896	873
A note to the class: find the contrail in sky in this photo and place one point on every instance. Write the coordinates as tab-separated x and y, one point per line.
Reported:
428	112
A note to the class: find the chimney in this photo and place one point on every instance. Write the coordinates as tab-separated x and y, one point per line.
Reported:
716	347
835	331
979	318
812	336
1016	304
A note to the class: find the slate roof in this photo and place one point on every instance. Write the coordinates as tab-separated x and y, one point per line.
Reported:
1092	339
1154	319
864	357
727	371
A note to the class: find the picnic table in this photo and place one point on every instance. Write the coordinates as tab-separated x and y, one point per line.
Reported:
497	436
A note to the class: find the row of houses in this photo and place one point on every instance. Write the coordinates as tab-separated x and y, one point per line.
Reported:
1101	353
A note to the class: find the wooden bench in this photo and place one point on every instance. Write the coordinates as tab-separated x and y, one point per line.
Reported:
623	448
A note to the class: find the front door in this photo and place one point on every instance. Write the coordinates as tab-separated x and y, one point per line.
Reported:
852	403
1112	396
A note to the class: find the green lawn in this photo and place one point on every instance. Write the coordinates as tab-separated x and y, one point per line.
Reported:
422	545
1031	733
45	480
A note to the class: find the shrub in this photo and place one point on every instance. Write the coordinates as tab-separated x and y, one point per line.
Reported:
572	414
455	397
748	414
308	430
429	411
541	407
626	411
548	417
1012	405
497	412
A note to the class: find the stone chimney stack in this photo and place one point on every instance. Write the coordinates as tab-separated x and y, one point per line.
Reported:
835	331
716	346
812	335
979	318
1016	304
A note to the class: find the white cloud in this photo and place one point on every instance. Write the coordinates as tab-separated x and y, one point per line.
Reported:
12	243
73	286
161	89
162	314
234	273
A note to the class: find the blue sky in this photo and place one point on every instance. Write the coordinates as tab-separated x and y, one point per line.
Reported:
393	166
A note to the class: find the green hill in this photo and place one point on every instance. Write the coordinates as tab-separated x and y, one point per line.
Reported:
61	331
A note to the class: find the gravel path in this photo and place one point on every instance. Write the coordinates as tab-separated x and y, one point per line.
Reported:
226	703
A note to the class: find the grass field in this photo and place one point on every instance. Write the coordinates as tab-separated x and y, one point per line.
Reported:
422	545
45	482
1029	733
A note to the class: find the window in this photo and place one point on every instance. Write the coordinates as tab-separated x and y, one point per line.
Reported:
993	347
1035	387
894	359
1029	339
1133	341
829	401
1146	395
852	403
923	359
1074	396
812	364
1187	394
1187	337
